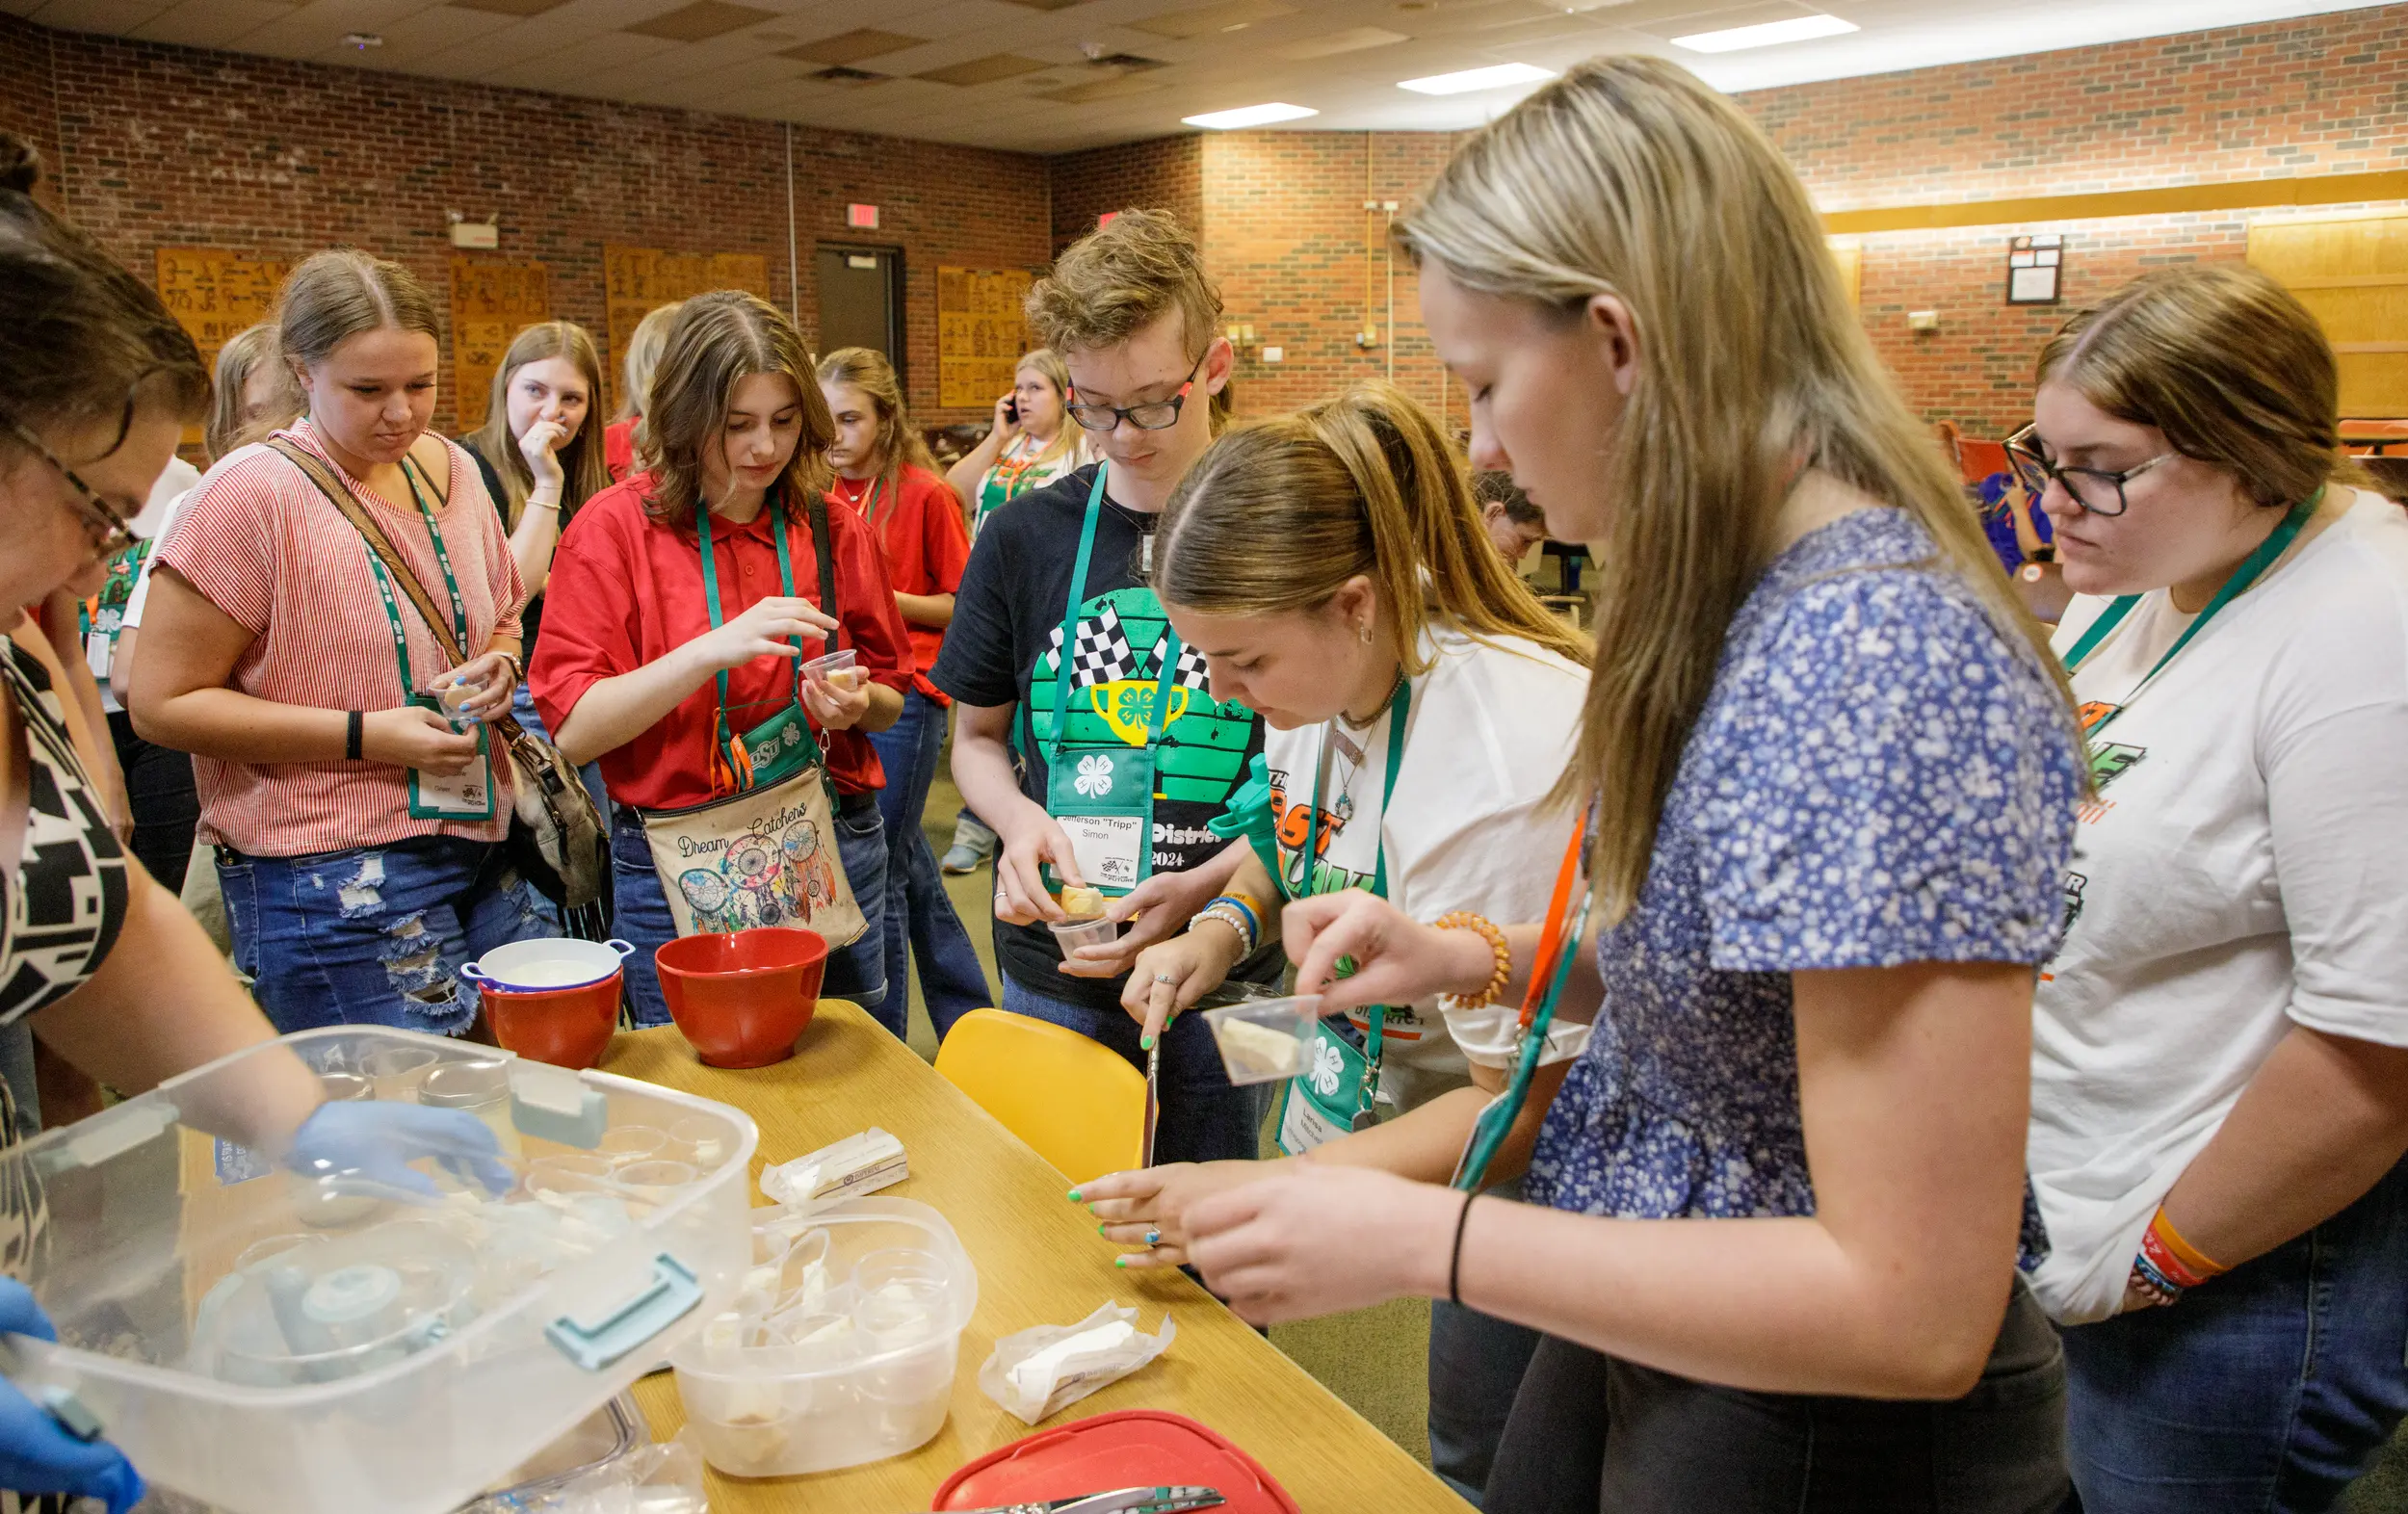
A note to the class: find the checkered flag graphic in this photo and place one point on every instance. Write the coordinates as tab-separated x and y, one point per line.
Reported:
1191	673
1102	652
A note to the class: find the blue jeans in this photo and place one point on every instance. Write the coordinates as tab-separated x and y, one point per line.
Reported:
2271	1388
920	917
1476	1367
1204	1116
856	971
373	936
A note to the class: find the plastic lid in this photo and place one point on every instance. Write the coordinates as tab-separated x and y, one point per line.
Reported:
1136	1448
465	1085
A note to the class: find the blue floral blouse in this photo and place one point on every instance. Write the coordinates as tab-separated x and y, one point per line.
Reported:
1879	775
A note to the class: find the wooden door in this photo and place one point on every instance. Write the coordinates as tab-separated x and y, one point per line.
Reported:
2352	271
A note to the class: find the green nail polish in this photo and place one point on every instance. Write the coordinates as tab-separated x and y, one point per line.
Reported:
1145	1043
1074	1196
1099	1230
1121	1260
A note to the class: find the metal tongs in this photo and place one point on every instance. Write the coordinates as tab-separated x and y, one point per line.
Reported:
1119	1500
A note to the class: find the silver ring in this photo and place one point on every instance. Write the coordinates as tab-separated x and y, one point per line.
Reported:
1166	978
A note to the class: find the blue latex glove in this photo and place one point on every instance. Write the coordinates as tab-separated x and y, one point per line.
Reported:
365	1146
35	1454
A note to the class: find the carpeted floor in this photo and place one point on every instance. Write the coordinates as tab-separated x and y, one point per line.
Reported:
1374	1359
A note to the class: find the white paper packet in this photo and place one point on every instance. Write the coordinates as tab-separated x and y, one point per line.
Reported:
855	1165
1040	1371
1485	1035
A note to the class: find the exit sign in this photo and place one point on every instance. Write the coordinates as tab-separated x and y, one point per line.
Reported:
862	217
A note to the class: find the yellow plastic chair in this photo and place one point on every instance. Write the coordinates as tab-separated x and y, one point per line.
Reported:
1076	1101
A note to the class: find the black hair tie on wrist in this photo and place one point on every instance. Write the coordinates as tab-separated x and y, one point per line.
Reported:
354	726
1455	1262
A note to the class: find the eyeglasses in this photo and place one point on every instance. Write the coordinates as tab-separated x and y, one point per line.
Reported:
2095	490
110	532
1154	415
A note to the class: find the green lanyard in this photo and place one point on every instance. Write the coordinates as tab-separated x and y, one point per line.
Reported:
711	589
1156	719
2251	569
392	607
1375	1036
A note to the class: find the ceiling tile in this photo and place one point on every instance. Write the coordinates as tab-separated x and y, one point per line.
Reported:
1223	18
511	7
982	71
1103	90
210	23
853	46
1357	40
700	19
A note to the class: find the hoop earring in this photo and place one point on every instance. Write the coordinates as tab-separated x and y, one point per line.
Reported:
1363	632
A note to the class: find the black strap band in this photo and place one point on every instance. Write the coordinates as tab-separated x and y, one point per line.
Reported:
1454	1261
355	727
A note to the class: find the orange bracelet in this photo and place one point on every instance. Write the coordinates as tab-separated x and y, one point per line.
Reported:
2192	1266
1486	928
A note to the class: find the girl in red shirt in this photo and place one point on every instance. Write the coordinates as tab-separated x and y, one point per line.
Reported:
629	668
883	470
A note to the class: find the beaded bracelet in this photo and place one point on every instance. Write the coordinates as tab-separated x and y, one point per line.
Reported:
1486	928
1232	915
1251	908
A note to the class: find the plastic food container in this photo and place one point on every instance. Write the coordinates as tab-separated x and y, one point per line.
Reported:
836	667
844	1346
1266	1039
745	999
1072	934
265	1354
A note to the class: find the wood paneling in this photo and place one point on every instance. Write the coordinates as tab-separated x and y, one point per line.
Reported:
2352	271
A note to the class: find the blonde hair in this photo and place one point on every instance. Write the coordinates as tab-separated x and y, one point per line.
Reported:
237	361
2223	360
1276	516
719	338
644	355
1049	367
341	292
899	443
585	473
1122	278
1619	179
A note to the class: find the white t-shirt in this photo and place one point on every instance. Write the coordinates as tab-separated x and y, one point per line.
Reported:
1488	732
2244	868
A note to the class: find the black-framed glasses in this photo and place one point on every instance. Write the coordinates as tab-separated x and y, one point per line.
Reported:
2095	490
110	532
1154	415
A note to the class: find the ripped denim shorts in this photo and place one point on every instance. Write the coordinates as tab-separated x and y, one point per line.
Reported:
375	935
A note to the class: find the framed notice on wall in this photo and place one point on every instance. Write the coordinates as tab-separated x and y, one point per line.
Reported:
214	294
491	300
980	333
638	280
2034	266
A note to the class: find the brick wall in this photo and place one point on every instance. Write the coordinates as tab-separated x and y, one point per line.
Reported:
28	107
172	145
1166	173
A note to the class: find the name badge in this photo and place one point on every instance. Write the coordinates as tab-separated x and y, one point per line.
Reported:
466	796
1109	848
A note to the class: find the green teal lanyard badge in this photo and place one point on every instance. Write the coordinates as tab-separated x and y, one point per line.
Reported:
1102	793
1549	972
466	796
781	745
1338	1092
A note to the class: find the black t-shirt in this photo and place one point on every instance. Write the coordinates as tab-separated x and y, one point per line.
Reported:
531	615
1001	649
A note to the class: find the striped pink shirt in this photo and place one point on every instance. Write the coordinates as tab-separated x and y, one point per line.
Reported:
269	550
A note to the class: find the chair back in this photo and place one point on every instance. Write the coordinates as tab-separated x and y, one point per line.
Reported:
1077	1103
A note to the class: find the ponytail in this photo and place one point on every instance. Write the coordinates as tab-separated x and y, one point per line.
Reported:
1278	516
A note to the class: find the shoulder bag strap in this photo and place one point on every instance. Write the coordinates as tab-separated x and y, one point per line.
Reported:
826	553
395	565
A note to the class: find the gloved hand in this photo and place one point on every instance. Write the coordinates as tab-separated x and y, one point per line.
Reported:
35	1454
365	1146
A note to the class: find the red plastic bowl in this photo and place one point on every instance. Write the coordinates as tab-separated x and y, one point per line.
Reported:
1134	1447
744	1000
566	1027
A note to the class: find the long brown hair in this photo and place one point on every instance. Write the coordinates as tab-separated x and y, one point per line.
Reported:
719	338
241	357
2227	363
586	474
899	444
1277	516
1630	177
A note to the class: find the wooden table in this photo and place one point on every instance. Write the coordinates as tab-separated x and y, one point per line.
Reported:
1040	1261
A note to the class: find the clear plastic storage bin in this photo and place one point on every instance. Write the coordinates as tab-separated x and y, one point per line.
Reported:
842	1347
259	1344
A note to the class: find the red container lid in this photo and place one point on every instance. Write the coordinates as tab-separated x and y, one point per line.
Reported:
1136	1448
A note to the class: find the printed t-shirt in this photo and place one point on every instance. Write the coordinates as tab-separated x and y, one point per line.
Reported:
917	521
619	448
2243	869
128	570
1004	648
1489	729
627	590
1017	471
263	546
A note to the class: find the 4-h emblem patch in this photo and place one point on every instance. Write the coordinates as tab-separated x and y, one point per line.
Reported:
1096	775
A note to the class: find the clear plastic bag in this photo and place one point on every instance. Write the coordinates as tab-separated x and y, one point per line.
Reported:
1040	1371
664	1478
849	1168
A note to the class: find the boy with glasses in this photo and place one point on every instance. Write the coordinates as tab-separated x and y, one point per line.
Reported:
1058	652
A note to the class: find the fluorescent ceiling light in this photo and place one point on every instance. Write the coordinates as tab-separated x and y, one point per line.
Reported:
1771	34
1249	115
1470	79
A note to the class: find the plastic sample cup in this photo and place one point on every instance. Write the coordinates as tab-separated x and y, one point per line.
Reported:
1072	934
837	669
397	1071
1268	1040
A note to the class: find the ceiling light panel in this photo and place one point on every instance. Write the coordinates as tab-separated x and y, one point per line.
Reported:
1502	76
1249	115
1768	34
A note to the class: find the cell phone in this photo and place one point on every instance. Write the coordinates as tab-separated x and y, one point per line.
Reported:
1011	410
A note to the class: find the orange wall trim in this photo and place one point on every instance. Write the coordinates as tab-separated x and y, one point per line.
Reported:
2177	200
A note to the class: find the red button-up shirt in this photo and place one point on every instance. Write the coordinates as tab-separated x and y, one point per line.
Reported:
626	590
918	528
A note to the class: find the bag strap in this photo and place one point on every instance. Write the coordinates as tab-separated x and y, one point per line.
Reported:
396	566
820	549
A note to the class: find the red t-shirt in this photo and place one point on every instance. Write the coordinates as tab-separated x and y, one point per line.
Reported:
626	590
919	529
619	449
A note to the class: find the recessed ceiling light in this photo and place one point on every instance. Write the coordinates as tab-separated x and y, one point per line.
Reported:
362	40
1249	115
1771	34
1470	79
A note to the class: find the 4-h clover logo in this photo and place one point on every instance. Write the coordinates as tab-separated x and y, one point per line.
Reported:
1327	1064
1096	775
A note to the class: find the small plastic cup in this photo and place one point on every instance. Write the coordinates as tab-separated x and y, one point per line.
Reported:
1266	1041
1072	934
699	1140
344	1087
564	1177
623	1144
837	669
453	693
654	1182
397	1071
